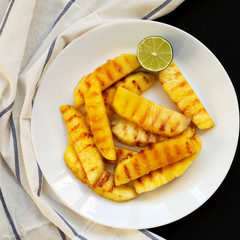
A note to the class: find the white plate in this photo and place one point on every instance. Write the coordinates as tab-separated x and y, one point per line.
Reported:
175	199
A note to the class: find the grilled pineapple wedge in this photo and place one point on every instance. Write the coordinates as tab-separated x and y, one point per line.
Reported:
104	186
131	134
99	123
107	74
83	143
164	175
181	93
135	82
159	155
149	115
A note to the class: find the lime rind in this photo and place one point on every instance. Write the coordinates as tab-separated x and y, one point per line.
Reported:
154	53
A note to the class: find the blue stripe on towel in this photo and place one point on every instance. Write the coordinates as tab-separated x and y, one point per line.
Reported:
48	55
160	7
15	145
39	181
9	216
6	17
62	234
5	110
63	12
71	228
148	234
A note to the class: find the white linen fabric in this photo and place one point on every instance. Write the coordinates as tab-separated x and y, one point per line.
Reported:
32	34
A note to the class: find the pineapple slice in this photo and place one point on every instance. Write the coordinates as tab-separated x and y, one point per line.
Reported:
159	155
179	90
132	135
104	186
83	143
106	75
136	82
150	116
99	123
164	175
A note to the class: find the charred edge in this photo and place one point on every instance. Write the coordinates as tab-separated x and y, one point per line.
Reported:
189	149
162	126
136	166
126	170
103	180
135	84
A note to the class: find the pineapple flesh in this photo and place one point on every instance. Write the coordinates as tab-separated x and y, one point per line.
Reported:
131	134
107	74
136	82
82	141
164	175
99	122
181	93
159	155
104	186
149	115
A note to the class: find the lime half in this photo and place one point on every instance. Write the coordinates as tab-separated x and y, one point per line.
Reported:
154	53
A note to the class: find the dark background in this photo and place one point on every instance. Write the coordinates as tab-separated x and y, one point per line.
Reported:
216	24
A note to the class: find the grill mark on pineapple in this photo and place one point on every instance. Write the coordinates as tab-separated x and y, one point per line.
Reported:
100	81
188	147
126	171
93	95
87	146
181	84
173	129
74	127
143	118
186	109
103	180
136	108
117	66
70	119
162	126
137	85
156	117
136	167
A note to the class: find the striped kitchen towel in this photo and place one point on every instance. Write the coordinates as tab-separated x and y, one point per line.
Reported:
32	34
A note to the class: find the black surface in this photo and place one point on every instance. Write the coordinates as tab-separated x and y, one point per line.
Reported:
216	24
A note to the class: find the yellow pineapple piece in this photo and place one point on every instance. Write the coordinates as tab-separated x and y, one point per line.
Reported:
104	186
179	90
131	134
159	155
164	175
74	164
107	74
82	141
135	82
99	123
148	115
